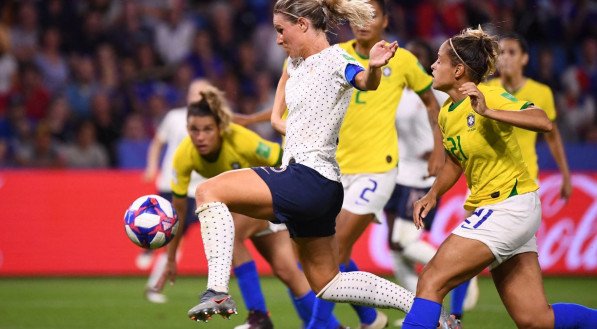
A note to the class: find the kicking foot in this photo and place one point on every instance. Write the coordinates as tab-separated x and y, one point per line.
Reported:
213	302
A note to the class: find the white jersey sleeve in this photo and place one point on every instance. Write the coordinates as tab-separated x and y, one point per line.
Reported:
415	138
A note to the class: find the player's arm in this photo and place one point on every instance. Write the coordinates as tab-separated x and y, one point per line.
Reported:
153	158
531	118
437	157
446	178
180	206
379	55
554	141
279	106
249	119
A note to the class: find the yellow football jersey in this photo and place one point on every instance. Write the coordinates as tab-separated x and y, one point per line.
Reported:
540	95
241	148
368	141
486	149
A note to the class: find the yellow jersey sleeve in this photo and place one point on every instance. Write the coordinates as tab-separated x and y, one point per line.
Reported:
254	149
542	97
486	149
368	142
182	166
241	148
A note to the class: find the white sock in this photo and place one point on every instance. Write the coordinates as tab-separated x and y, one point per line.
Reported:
419	252
364	288
404	271
217	232
158	268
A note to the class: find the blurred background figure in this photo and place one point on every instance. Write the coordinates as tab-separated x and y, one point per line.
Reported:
133	145
86	152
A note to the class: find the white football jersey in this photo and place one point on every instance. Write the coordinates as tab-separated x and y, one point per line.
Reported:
317	96
172	130
415	138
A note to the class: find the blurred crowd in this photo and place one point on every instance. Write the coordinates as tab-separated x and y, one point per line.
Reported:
84	84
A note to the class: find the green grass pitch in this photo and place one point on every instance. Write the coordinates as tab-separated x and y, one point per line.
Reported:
116	302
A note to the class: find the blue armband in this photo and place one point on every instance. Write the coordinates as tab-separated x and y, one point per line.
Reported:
351	72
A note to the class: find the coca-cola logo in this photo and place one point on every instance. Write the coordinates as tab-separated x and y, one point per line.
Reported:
567	238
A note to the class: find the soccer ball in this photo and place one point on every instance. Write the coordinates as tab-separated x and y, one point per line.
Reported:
150	222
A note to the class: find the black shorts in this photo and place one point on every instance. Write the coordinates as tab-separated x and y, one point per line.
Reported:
303	199
401	203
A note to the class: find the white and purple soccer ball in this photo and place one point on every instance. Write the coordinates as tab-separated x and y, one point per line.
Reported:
150	222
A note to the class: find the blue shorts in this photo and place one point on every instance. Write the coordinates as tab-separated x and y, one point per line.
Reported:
305	201
401	203
191	218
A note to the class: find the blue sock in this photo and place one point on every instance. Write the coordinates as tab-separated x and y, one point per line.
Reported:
250	288
303	305
574	316
322	316
424	314
366	314
458	295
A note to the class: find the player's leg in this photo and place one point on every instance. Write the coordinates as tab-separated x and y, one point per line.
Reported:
520	285
365	197
457	259
245	270
275	245
240	191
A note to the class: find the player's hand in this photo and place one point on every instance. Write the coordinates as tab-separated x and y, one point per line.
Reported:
477	98
421	208
242	119
149	174
381	53
169	275
566	189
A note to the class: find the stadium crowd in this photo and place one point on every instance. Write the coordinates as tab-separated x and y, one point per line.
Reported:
84	84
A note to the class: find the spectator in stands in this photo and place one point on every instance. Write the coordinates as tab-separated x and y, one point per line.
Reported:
42	152
8	68
106	123
86	152
174	34
83	87
130	30
31	92
24	34
203	59
51	62
59	119
134	144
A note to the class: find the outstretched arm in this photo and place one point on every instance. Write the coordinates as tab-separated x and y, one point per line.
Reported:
446	178
554	141
437	157
379	55
180	205
532	118
249	119
153	159
279	106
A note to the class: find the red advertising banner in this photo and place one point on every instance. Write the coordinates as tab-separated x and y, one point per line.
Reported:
71	223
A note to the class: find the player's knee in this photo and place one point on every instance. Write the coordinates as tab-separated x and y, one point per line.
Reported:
431	285
205	193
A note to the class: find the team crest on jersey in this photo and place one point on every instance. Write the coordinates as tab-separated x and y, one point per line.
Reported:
470	120
386	71
235	165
